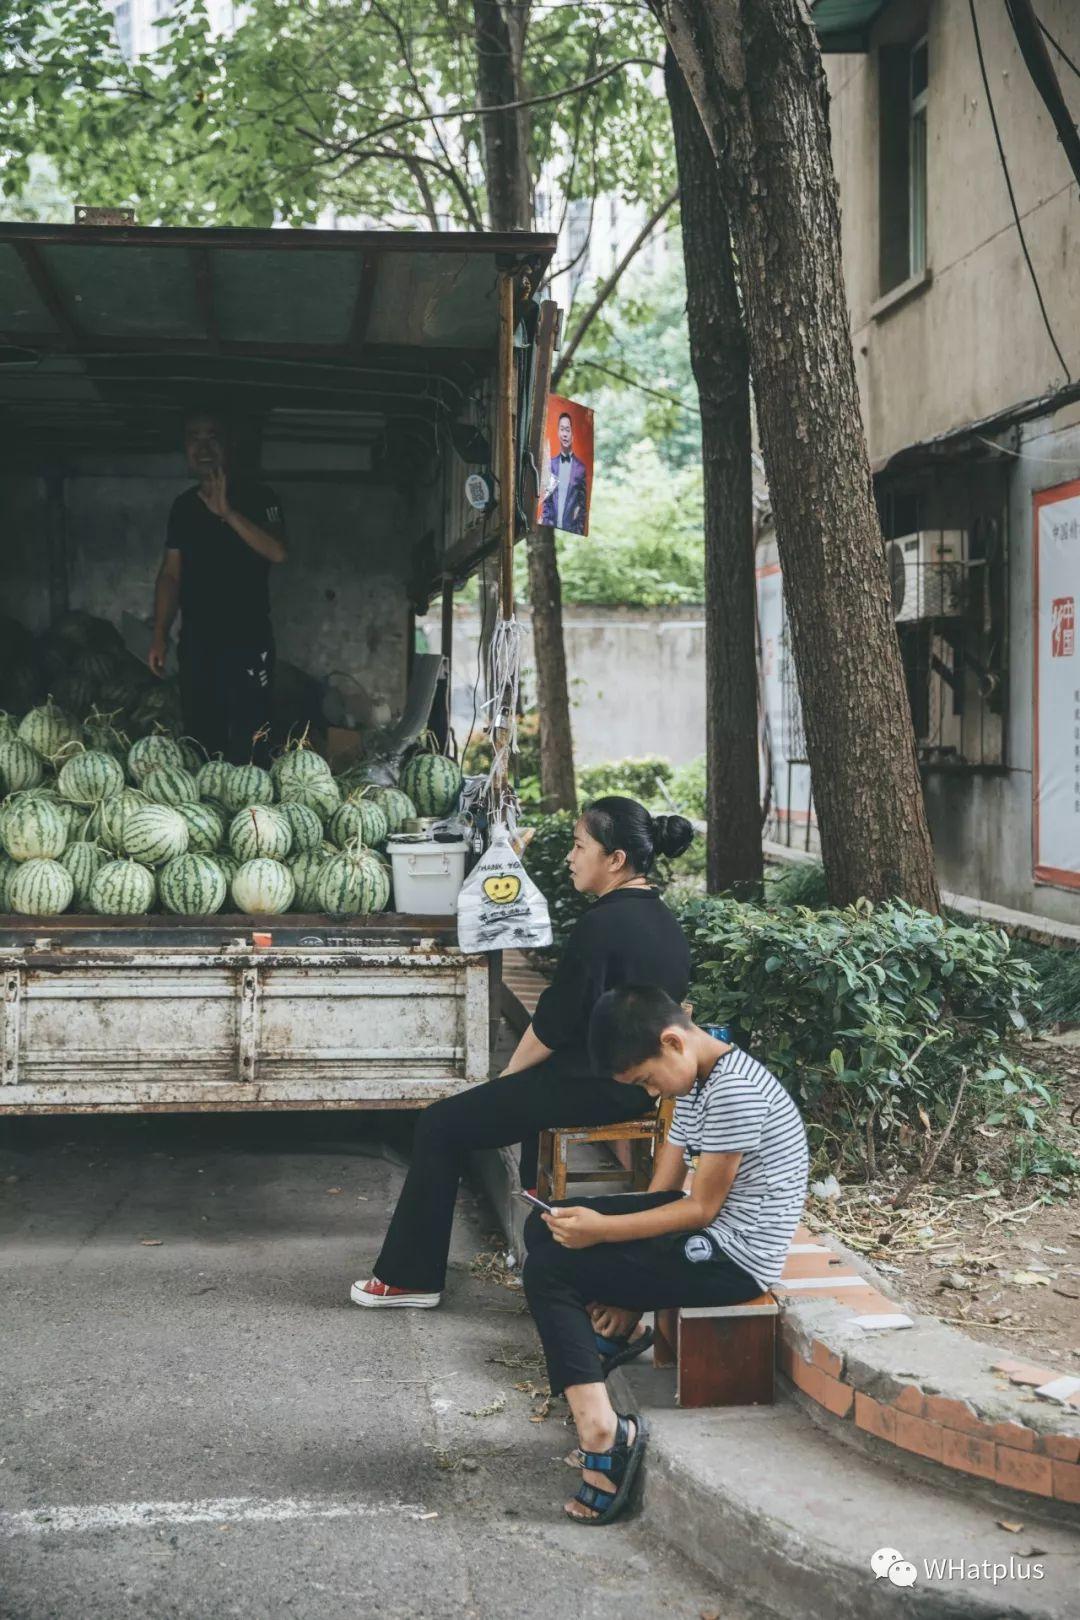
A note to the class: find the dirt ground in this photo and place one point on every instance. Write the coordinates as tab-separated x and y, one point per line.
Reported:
1000	1263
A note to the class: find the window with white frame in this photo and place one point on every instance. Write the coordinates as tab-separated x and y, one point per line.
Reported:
903	94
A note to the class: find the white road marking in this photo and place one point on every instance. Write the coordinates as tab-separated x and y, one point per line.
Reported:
45	1521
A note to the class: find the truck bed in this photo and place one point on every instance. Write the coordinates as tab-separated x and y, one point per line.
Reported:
166	1014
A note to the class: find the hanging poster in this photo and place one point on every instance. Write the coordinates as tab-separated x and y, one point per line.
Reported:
567	475
1056	764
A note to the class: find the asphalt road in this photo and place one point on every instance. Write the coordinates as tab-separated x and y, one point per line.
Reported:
196	1422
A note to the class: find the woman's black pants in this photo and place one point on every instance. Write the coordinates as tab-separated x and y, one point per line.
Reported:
679	1268
504	1111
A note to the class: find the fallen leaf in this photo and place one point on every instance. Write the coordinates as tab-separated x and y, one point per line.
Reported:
151	1243
335	1189
1029	1279
1011	1525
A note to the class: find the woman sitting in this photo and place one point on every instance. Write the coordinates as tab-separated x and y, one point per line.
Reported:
628	937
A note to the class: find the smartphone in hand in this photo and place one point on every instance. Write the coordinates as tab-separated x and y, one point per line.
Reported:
537	1203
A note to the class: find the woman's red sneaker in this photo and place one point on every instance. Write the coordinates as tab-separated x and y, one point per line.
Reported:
380	1295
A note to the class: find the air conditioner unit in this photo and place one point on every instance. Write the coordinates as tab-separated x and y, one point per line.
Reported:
926	574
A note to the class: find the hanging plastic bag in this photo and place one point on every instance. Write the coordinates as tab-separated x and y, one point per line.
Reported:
499	907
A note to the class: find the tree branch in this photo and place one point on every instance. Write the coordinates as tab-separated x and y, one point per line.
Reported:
608	287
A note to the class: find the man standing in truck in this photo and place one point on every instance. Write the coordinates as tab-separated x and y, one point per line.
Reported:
223	536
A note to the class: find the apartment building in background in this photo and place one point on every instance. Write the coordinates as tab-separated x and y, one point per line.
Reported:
973	424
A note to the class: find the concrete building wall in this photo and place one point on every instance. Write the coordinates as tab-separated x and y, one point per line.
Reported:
637	679
969	338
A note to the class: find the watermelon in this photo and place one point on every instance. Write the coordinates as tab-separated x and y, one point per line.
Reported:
154	834
297	766
41	888
122	889
211	778
322	795
8	727
433	783
260	829
194	754
395	805
110	818
74	693
304	824
228	864
305	869
170	784
246	785
89	777
8	869
263	887
103	736
152	753
353	882
48	729
33	829
205	827
84	861
358	818
20	766
192	886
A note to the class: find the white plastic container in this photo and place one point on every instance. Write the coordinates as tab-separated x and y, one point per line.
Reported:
427	876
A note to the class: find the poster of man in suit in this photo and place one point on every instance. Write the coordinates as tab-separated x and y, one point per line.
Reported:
567	479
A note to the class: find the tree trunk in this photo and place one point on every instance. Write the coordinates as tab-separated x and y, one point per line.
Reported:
556	744
721	368
500	46
754	69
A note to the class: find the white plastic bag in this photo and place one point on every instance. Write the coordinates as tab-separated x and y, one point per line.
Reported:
499	907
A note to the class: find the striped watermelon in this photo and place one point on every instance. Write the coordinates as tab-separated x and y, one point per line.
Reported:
110	818
322	795
246	785
353	882
84	862
103	736
41	889
155	834
433	783
305	869
228	864
260	829
263	887
170	784
192	886
8	727
395	805
20	766
123	889
210	779
297	766
205	827
47	730
8	869
304	824
358	819
194	754
32	828
153	753
89	777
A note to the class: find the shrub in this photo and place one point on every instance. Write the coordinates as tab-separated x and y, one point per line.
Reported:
688	788
880	1019
633	778
798	885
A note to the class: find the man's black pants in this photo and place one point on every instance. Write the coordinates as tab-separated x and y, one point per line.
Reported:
680	1268
227	694
497	1114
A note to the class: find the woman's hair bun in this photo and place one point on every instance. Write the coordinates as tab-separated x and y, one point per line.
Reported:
671	834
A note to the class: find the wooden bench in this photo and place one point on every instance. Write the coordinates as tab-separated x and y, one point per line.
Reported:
723	1355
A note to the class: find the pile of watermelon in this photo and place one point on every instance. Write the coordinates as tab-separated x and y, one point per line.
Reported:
91	821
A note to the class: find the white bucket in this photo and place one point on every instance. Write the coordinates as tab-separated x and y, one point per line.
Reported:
427	876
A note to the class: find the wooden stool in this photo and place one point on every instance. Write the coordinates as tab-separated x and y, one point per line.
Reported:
644	1135
723	1355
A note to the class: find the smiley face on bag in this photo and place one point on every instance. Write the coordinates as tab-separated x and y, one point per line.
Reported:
501	888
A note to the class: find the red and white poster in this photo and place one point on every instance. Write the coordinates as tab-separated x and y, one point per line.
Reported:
1057	687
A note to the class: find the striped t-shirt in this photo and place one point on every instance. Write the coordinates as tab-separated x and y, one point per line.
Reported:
742	1108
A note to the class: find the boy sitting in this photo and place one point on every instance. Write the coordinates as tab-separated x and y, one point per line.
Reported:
724	1241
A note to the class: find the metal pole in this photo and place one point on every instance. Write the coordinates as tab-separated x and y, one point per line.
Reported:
507	455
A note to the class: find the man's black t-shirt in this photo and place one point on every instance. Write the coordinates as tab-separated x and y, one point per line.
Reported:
224	585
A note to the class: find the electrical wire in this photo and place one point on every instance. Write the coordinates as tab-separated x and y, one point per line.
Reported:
1065	57
1012	194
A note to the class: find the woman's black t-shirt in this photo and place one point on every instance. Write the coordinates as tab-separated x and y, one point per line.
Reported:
628	937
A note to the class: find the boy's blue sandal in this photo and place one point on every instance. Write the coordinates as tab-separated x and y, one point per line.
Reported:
621	1464
615	1352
